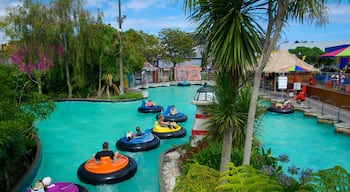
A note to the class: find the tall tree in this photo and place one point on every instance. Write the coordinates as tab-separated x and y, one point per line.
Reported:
178	45
278	13
30	26
150	47
73	29
310	55
233	39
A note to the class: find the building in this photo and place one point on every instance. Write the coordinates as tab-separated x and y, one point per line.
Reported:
321	45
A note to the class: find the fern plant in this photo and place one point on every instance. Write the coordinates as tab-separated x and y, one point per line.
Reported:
245	178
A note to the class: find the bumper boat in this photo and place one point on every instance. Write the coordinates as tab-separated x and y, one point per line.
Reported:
167	133
183	83
107	171
145	142
149	109
178	117
57	187
281	109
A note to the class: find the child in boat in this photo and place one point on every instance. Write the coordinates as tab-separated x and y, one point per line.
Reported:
163	123
149	103
173	110
42	185
138	131
129	135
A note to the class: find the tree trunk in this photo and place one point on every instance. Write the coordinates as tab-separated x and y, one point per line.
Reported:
107	92
69	86
70	91
226	148
39	83
116	90
266	52
7	180
99	92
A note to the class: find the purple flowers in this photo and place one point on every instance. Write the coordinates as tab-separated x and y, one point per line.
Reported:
296	176
304	175
30	61
283	180
293	170
267	170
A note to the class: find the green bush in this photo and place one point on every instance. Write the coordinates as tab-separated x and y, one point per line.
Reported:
244	179
333	179
199	178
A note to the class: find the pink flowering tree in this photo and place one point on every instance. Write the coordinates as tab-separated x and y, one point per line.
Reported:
34	62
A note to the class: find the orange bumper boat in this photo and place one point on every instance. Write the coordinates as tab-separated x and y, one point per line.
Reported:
107	171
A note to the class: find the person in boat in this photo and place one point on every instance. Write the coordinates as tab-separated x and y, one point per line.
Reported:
138	131
286	103
149	103
42	185
278	105
130	135
173	110
105	152
163	123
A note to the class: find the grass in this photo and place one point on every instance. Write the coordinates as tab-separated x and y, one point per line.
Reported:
128	96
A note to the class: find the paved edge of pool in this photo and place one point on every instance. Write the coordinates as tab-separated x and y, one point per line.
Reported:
31	173
161	161
96	100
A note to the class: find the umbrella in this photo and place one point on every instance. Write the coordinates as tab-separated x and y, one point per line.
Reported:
343	55
342	52
296	68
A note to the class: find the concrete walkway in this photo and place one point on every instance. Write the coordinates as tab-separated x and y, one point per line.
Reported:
323	111
316	104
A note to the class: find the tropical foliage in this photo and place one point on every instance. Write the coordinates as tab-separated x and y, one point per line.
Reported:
64	49
19	108
277	14
245	178
221	112
193	180
233	39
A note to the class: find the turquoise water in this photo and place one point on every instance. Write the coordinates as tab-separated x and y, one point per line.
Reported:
307	143
76	130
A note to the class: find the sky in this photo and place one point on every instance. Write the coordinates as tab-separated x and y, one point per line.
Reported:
151	16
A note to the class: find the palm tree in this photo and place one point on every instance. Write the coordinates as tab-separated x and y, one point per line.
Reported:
233	40
225	114
278	12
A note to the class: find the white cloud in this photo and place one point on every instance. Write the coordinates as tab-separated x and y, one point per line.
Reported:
339	13
139	5
3	6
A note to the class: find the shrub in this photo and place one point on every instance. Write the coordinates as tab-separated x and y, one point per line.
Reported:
245	178
198	178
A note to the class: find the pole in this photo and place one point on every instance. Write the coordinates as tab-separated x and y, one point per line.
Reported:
121	88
